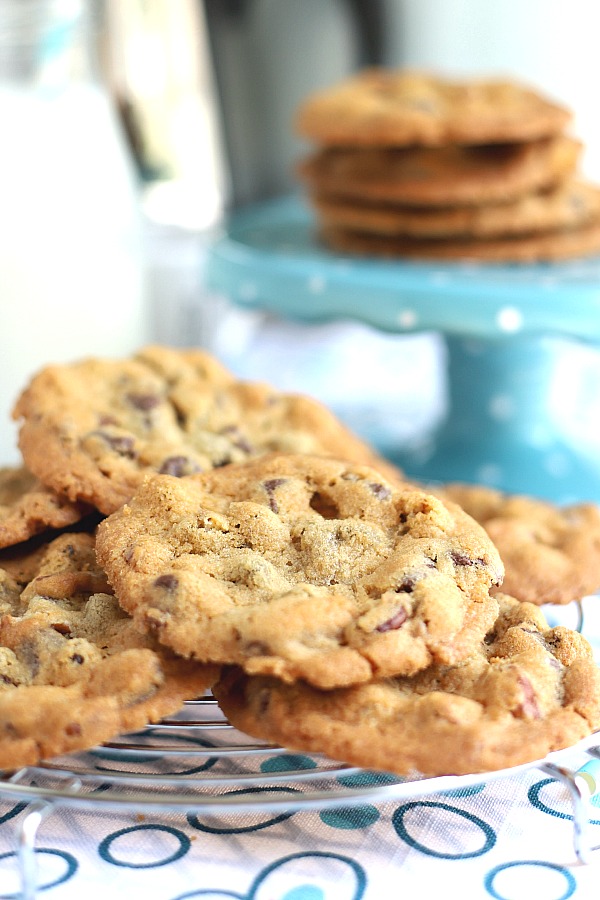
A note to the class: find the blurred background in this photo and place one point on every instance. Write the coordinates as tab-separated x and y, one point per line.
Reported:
131	127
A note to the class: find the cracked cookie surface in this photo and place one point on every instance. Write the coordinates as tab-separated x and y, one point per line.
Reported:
551	553
302	567
92	430
74	669
526	691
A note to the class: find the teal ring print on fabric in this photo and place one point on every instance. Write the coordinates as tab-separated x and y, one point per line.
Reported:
105	852
403	833
72	866
306	889
14	811
350	817
571	884
464	792
287	762
142	759
365	779
533	795
195	822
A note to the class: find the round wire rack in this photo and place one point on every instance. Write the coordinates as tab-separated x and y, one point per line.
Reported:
196	762
216	775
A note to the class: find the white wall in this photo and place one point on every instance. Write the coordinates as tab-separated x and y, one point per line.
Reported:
553	44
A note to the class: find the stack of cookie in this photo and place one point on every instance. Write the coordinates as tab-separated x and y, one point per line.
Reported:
412	165
174	529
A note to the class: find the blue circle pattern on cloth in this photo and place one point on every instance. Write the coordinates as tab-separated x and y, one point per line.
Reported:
240	829
71	868
268	878
398	821
533	796
431	827
490	878
105	851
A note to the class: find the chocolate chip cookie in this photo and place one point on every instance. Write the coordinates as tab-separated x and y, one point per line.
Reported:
74	669
561	244
92	430
387	107
440	176
302	567
571	205
526	691
551	553
27	507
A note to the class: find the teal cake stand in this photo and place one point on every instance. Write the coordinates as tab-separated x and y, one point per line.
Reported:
507	329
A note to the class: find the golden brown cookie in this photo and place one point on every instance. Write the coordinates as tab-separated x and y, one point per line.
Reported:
92	430
387	107
27	507
74	669
526	691
568	206
562	244
440	176
302	567
551	553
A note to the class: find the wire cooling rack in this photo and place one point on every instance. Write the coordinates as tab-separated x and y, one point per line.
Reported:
134	774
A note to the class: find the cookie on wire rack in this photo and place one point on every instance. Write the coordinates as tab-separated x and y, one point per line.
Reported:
526	691
92	430
302	567
551	552
28	507
74	669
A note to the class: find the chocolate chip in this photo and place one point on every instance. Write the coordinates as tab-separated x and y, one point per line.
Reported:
407	585
62	628
270	487
124	445
178	466
461	559
6	680
380	490
168	582
529	708
77	658
143	402
237	438
396	621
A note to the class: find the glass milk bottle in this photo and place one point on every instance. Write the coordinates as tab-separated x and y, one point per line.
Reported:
71	262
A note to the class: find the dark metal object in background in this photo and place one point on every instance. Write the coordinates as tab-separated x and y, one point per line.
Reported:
266	56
